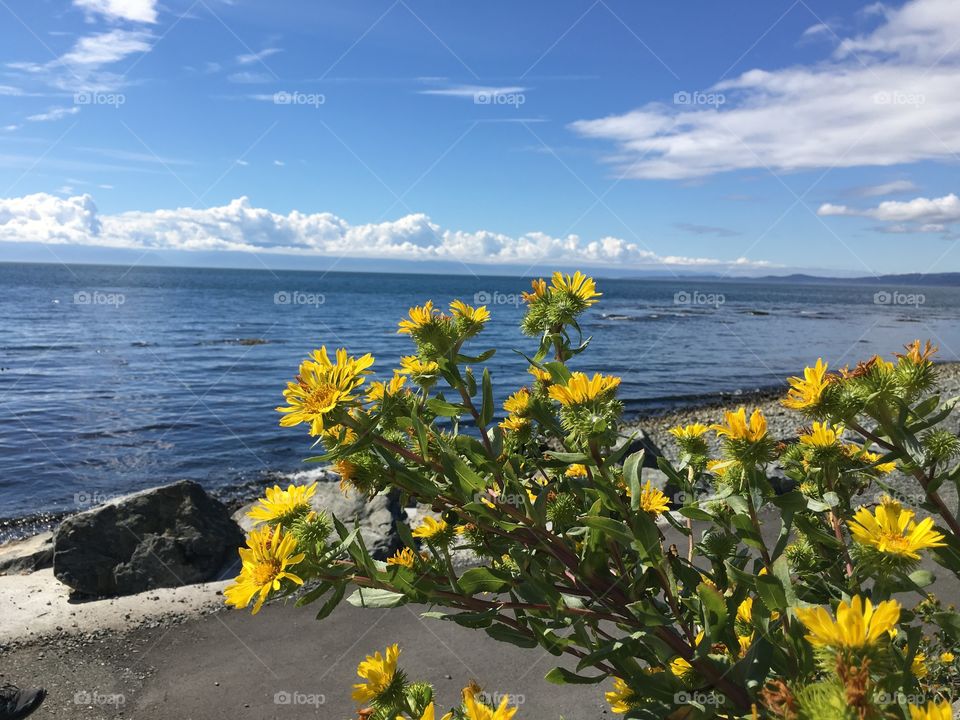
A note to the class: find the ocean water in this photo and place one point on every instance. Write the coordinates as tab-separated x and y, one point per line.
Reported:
114	379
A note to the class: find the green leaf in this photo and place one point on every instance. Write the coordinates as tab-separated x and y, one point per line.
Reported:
505	633
771	592
714	611
376	598
559	372
614	528
631	476
482	579
566	457
328	607
486	409
444	409
562	676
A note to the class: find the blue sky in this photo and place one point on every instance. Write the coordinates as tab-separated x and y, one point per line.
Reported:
680	137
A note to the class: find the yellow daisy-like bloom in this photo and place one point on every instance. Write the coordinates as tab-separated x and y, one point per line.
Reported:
518	403
264	564
380	389
580	389
822	435
347	471
321	388
412	365
339	435
805	392
919	666
576	470
514	423
281	506
653	501
680	667
688	432
541	375
947	657
430	528
858	624
619	697
891	529
419	317
404	557
935	710
539	290
378	672
737	427
466	312
919	354
578	284
477	710
872	457
745	611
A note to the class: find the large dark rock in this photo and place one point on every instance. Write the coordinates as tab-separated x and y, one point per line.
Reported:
163	537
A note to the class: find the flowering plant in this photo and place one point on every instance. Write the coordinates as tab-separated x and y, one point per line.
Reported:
727	599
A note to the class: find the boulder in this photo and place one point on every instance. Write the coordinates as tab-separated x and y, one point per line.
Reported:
639	440
27	555
167	536
377	516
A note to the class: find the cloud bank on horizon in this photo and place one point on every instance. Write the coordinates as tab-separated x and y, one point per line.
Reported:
240	227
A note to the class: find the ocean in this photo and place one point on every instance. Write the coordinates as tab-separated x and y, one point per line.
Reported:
114	379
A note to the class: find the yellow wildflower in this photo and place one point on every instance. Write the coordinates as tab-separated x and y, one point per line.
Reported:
891	529
476	315
514	423
580	389
378	672
653	501
541	375
578	285
264	564
917	354
576	470
947	657
619	697
857	624
919	666
805	392
477	710
822	435
420	317
430	528
688	432
539	290
737	427
518	403
282	506
935	710
404	557
321	389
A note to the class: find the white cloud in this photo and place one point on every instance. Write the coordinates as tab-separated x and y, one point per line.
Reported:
249	78
279	163
474	91
918	215
134	10
884	98
56	113
251	58
890	188
239	226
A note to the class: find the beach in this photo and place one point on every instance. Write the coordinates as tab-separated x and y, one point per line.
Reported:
178	652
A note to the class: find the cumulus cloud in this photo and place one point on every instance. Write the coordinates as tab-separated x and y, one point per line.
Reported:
239	226
134	10
918	215
883	98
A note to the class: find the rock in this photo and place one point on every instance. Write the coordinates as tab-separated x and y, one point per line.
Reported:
27	555
167	536
640	441
377	516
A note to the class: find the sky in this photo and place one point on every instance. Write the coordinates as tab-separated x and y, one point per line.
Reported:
743	138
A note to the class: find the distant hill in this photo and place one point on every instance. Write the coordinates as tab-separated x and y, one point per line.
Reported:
950	279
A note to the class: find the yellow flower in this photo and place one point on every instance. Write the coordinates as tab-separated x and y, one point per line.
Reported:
745	611
919	666
805	392
479	711
857	625
430	528
935	710
378	672
339	435
891	529
518	403
653	501
347	471
380	390
872	457
680	667
264	564
539	290
429	713
541	375
404	557
419	317
576	470
579	285
516	424
465	312
412	365
688	432
282	506
822	435
917	354
720	467
321	388
619	697
947	657
737	427
579	389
